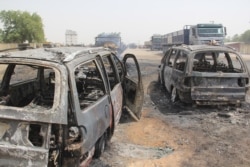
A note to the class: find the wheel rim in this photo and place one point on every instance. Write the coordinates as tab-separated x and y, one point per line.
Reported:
173	95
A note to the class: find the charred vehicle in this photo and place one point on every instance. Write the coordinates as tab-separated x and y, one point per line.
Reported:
60	106
204	75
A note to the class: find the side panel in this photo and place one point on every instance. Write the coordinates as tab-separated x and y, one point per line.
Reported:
90	101
168	77
94	121
116	98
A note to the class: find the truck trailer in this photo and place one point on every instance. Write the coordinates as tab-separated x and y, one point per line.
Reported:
195	35
156	42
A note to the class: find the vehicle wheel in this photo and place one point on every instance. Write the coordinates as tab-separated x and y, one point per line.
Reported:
174	95
100	146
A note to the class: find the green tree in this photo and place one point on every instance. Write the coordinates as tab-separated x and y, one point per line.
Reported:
21	26
245	37
236	38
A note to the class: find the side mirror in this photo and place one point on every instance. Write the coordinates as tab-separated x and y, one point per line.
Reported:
225	30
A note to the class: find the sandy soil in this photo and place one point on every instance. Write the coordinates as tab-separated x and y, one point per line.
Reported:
177	135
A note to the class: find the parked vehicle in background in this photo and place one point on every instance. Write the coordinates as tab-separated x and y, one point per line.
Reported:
112	41
195	35
156	42
60	106
204	75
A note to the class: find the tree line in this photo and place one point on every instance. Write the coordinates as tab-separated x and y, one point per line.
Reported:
19	27
245	37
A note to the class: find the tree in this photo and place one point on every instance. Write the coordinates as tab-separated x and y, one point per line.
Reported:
20	26
245	37
236	38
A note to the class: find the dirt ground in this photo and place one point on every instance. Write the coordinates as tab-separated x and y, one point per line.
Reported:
178	135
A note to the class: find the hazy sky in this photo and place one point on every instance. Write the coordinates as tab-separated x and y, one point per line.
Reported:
136	20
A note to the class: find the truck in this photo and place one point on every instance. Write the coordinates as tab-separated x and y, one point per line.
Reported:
198	34
156	42
109	40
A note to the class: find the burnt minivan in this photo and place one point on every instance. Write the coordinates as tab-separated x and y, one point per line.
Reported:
204	75
60	106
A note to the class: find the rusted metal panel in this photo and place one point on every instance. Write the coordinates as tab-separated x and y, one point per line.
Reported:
13	156
94	120
23	143
218	94
117	101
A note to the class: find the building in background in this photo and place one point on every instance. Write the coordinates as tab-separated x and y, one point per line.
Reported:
70	37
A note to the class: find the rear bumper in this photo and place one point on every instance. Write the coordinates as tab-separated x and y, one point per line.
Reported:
218	95
13	156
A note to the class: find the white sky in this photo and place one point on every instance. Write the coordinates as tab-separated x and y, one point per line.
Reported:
136	20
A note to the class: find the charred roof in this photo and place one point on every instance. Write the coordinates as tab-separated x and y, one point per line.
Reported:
206	47
60	54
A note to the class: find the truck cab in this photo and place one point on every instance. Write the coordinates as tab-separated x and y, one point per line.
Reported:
204	33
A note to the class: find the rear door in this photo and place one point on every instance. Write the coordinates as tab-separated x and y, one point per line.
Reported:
133	88
162	67
168	69
114	84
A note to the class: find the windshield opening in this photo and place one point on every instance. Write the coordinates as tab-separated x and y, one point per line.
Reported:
211	32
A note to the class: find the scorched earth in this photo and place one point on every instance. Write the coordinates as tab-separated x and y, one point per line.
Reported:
178	135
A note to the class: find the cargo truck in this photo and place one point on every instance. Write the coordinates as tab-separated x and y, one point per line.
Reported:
156	42
109	40
195	35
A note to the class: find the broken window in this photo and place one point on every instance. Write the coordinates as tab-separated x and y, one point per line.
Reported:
119	67
181	61
110	69
89	83
217	62
26	85
172	57
131	70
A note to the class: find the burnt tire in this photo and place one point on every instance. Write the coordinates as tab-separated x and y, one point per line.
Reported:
174	95
100	146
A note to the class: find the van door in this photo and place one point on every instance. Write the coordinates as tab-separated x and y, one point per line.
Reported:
114	85
168	69
133	88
